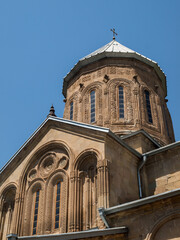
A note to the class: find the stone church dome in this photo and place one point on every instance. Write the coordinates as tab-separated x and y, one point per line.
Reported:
113	49
118	88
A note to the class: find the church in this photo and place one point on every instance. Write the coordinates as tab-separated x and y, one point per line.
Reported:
109	169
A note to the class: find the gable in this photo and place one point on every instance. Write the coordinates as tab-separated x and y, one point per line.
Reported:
74	140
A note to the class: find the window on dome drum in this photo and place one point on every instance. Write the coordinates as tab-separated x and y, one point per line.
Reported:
36	206
93	117
166	123
57	208
148	106
71	110
121	102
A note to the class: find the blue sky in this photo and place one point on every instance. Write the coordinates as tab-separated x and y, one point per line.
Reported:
41	40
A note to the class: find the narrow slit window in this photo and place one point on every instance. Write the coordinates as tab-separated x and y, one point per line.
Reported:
148	107
36	207
71	110
93	116
57	206
121	102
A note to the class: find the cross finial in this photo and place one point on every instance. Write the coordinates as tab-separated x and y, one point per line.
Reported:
114	33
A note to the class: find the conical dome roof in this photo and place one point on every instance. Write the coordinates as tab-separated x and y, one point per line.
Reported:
112	50
113	46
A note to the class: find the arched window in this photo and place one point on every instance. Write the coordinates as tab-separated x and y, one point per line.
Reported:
93	115
57	204
36	208
121	102
166	122
57	195
148	106
71	110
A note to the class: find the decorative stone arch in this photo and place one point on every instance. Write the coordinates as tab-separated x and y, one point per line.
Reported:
41	165
47	147
59	175
6	188
97	87
85	153
113	100
162	225
37	184
89	189
7	203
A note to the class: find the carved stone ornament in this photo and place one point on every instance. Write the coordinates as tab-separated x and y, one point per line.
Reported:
47	165
81	87
135	91
106	78
63	162
32	174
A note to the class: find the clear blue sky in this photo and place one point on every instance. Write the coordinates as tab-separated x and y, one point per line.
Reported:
41	40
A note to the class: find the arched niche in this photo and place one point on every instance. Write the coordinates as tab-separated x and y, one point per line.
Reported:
90	152
89	188
88	192
58	177
6	210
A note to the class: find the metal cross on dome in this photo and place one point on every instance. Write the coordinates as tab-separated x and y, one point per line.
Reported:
114	33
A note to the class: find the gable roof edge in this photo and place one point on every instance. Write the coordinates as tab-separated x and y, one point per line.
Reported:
145	134
87	126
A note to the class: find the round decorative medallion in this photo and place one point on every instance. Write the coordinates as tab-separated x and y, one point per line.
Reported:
32	174
63	162
47	165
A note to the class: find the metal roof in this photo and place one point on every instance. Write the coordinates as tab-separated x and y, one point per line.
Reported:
113	46
144	133
162	149
112	49
92	233
142	201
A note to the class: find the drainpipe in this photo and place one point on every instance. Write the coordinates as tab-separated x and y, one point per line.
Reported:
139	175
103	216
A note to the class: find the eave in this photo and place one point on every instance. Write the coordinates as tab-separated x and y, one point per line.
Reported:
97	57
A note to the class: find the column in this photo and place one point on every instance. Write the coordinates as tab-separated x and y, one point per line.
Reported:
103	183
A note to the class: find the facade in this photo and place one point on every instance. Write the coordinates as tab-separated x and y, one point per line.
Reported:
109	169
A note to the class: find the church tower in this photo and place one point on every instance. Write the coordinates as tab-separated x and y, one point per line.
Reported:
118	88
